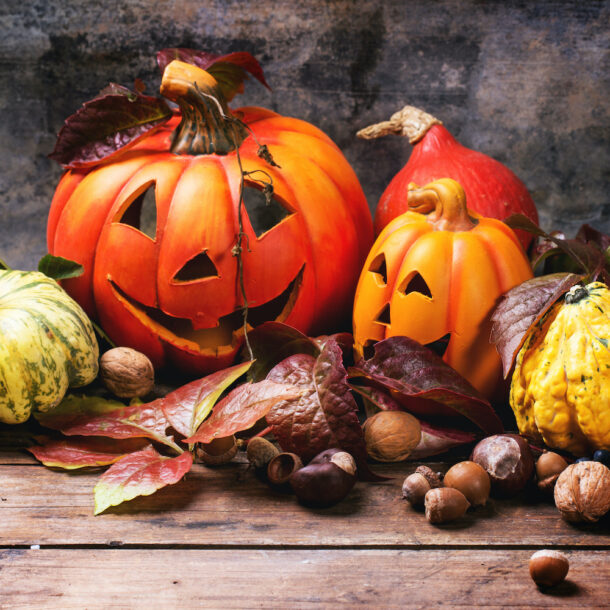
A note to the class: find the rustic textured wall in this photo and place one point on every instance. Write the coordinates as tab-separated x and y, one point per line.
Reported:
526	82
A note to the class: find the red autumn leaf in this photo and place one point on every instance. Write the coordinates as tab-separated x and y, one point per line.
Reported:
242	408
436	440
272	342
585	253
94	416
91	452
186	407
139	474
325	416
109	123
521	308
422	383
229	70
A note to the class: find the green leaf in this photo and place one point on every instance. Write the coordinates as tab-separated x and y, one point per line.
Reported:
3	265
139	474
59	268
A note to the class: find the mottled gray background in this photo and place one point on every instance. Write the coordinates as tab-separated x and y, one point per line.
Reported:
525	82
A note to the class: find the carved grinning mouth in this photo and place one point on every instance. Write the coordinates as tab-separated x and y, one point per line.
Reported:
230	327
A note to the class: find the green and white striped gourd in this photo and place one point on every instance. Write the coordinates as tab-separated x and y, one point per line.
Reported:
47	344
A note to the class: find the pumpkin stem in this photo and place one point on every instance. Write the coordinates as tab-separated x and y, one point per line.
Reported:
207	124
410	122
445	203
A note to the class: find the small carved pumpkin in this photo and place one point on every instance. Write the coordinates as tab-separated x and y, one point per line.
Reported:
174	291
434	274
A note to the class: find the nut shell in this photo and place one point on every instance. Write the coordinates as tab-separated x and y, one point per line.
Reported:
445	504
548	567
582	492
508	460
415	488
126	372
217	452
391	436
548	468
260	451
471	479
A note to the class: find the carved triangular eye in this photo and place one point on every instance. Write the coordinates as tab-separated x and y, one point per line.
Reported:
384	315
415	283
199	267
141	213
263	214
378	266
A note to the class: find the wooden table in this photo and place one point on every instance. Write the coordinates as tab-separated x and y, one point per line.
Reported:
221	538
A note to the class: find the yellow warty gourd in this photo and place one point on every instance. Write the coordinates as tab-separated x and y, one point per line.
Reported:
560	391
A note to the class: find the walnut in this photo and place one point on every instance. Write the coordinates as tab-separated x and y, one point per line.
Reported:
582	492
126	372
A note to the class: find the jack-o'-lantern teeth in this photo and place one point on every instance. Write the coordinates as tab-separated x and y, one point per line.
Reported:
226	333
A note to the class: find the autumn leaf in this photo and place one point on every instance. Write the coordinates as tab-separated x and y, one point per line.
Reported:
242	408
187	407
59	268
95	416
73	453
272	342
436	440
117	118
229	70
325	415
585	253
139	474
422	383
521	308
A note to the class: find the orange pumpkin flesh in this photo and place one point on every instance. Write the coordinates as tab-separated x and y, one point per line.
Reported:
175	294
435	276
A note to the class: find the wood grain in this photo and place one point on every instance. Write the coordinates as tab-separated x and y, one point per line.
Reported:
229	506
291	579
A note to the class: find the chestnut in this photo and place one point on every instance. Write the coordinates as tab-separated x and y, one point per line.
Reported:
326	480
508	460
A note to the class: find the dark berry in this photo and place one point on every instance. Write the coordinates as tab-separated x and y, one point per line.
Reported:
582	459
603	456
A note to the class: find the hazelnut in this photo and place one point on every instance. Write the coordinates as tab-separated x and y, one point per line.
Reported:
326	480
508	460
548	568
582	492
282	466
471	479
391	436
260	451
415	488
217	452
445	504
417	484
434	478
548	468
126	372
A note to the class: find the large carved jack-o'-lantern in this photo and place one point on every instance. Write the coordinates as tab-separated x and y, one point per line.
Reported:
156	229
434	274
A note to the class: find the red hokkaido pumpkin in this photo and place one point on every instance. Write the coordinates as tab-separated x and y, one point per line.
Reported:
491	188
174	291
434	274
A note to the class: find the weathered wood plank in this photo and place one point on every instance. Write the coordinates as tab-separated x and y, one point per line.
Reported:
295	578
230	506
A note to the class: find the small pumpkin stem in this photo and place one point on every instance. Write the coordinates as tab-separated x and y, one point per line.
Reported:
445	203
207	125
576	294
410	122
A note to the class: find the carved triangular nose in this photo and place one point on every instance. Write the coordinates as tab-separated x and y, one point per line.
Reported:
197	268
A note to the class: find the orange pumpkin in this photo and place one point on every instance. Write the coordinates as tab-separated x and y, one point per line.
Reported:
434	274
174	291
